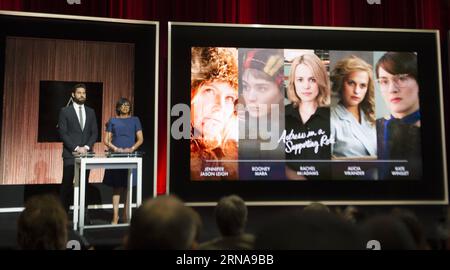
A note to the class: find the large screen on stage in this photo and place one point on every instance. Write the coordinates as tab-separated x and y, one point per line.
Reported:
288	114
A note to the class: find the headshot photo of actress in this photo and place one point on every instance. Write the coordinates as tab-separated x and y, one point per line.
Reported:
261	92
398	132
214	94
353	117
308	115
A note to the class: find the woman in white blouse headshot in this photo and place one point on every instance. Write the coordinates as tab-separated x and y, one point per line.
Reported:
353	118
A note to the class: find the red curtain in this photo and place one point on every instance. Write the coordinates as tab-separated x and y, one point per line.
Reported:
420	14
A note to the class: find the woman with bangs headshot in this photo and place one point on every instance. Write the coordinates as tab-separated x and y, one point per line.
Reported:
353	118
398	134
262	121
307	120
214	124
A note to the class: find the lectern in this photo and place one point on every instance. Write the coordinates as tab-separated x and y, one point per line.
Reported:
128	161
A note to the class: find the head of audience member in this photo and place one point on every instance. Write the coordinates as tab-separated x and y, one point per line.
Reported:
308	81
231	215
214	93
79	93
123	107
42	225
398	80
390	232
262	80
310	230
353	214
316	207
414	226
352	79
164	223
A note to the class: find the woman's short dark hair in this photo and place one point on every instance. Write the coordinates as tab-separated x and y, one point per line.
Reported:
120	102
398	63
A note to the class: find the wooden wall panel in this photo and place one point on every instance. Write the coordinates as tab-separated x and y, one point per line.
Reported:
29	60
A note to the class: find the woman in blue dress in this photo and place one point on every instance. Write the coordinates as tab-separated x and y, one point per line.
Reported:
123	135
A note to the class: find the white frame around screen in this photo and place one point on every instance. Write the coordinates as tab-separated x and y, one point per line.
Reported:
156	85
445	201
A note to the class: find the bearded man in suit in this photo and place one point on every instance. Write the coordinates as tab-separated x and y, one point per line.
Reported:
77	126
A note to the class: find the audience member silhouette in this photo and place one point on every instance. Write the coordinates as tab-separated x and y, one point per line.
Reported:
231	218
310	230
414	226
390	232
164	223
316	207
42	225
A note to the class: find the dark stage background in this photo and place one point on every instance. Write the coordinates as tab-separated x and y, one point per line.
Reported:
419	14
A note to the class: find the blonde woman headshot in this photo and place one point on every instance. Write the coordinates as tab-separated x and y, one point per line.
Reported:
307	118
353	125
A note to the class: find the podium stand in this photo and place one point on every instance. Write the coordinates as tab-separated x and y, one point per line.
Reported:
86	163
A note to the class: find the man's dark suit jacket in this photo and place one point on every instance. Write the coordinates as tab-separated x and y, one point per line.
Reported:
71	134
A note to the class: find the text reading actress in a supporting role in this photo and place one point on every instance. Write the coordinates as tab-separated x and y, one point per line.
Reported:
246	126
